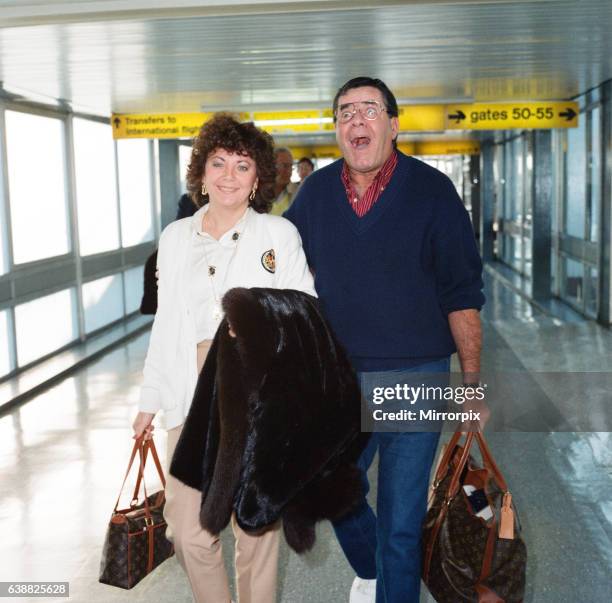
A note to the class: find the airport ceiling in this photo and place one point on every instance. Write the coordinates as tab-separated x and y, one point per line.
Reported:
138	56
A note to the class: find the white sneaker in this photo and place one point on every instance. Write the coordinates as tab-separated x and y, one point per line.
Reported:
363	591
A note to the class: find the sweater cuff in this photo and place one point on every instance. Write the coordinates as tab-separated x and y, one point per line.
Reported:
149	400
464	302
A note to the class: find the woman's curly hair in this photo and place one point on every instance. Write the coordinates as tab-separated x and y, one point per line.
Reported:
223	131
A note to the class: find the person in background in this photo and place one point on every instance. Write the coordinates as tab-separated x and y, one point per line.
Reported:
231	241
399	276
148	305
305	167
284	189
186	206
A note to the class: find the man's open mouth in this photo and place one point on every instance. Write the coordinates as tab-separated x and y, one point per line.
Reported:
360	142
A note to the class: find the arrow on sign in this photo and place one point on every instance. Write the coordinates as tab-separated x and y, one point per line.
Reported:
569	114
117	122
459	116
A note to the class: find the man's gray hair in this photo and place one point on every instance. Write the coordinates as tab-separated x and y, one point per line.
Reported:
279	150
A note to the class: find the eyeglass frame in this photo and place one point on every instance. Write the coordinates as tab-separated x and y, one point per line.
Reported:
381	108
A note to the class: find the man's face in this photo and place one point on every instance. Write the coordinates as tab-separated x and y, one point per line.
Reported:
304	169
284	166
366	144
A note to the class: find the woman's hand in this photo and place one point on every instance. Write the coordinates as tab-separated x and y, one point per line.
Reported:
143	425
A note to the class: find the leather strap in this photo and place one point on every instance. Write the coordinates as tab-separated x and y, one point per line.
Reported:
486	595
487	559
443	466
150	445
137	445
488	460
138	480
143	453
448	497
151	540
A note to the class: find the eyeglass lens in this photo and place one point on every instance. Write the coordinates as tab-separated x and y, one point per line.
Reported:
369	110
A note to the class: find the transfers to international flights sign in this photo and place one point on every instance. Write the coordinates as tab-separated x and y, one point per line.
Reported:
158	125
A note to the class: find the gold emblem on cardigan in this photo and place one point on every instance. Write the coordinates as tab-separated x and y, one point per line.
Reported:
268	261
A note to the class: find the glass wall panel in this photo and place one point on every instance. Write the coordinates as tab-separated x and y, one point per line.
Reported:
135	192
102	302
3	258
133	280
508	161
596	171
184	157
37	188
576	190
5	353
45	325
3	228
590	291
96	191
573	275
516	180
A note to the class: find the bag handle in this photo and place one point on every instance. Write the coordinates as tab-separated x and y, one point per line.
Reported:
141	447
137	444
149	445
487	459
485	452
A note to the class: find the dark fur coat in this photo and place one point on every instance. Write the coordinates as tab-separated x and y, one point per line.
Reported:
274	427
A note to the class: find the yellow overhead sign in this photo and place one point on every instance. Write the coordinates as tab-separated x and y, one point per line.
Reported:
416	147
440	147
158	125
508	116
412	118
288	122
421	118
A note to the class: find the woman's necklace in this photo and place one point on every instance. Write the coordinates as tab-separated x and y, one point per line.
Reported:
217	312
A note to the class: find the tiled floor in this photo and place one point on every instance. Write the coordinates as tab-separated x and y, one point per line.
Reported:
63	453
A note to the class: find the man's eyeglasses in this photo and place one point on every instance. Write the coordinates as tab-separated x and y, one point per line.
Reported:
370	110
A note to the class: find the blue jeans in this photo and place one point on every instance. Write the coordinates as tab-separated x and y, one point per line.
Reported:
387	546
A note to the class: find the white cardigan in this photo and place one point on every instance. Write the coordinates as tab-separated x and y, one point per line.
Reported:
170	370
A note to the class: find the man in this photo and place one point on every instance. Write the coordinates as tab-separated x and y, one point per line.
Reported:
284	189
305	167
399	278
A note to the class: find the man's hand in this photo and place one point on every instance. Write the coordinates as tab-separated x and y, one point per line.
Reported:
478	407
143	425
467	332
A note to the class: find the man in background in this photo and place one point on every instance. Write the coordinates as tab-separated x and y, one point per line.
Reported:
284	189
305	167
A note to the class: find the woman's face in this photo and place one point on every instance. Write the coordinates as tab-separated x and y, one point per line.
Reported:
229	178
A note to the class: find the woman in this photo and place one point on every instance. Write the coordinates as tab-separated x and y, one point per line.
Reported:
229	242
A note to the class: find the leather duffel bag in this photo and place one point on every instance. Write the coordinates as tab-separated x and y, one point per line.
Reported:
472	546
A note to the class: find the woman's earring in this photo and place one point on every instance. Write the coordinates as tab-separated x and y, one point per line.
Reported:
204	190
252	195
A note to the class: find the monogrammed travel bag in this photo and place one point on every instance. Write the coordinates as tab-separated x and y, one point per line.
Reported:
136	542
472	547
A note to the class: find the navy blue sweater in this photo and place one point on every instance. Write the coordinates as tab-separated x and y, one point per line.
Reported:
387	281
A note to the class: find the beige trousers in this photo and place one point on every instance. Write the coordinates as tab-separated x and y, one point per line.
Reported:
199	552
